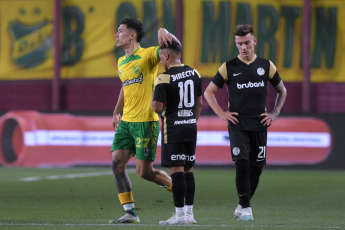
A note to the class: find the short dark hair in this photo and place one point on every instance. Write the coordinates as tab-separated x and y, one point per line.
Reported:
174	45
243	30
135	25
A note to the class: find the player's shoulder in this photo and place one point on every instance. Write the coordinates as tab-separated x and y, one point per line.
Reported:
262	60
150	49
163	78
121	58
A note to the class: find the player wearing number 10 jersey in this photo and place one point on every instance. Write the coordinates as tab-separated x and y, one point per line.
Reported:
179	87
177	97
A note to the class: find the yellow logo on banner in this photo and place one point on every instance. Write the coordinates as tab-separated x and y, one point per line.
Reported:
40	38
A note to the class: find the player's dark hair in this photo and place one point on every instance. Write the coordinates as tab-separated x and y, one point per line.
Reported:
243	30
174	45
135	25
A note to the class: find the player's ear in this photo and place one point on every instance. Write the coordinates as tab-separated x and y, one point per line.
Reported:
167	55
133	35
255	40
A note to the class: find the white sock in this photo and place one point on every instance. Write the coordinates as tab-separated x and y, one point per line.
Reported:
239	207
128	206
247	210
179	212
189	210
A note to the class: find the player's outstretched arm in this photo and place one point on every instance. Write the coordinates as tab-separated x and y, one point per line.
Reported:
118	109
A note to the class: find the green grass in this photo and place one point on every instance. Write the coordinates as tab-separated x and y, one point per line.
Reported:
285	199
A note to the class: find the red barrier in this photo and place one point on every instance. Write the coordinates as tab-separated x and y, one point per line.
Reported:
31	139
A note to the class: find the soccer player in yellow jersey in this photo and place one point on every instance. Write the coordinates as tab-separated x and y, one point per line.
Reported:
138	128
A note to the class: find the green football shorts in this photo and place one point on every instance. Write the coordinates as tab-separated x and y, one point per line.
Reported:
140	137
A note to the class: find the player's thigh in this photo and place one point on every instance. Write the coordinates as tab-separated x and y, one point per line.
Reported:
145	135
259	148
121	158
239	144
178	154
123	138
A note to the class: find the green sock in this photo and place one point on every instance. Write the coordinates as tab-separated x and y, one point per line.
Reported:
132	212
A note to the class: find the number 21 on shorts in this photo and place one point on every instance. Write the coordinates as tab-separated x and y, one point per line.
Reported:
262	153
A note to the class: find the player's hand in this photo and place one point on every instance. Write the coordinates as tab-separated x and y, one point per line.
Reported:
116	121
229	117
164	38
268	119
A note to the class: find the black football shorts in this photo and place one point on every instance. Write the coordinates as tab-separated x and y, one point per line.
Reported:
248	145
179	154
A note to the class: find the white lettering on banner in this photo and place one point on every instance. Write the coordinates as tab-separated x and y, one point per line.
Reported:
68	138
298	139
274	139
205	138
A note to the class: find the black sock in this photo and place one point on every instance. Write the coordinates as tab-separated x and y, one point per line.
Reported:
178	188
190	188
254	176
242	182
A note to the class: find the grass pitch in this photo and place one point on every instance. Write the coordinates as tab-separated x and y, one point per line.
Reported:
86	198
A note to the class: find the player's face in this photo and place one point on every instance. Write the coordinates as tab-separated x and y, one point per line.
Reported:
245	45
124	36
163	55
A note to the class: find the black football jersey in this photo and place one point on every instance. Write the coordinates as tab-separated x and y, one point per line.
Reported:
178	88
247	89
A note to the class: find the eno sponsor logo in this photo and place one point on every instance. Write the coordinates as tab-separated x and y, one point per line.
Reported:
182	157
251	85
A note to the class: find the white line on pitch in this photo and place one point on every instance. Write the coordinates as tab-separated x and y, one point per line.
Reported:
154	225
70	176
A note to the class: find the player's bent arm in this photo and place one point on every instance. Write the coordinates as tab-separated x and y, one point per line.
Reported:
198	107
157	106
164	37
210	97
280	99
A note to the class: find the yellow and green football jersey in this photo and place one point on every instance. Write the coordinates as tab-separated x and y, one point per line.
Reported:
138	75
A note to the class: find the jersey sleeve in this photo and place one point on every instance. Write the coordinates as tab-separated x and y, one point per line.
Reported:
162	82
154	54
221	76
273	77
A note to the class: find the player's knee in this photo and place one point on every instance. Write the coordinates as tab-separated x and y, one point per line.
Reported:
256	170
144	173
242	167
242	163
117	166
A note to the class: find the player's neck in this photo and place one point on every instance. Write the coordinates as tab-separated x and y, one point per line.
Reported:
175	63
131	48
247	59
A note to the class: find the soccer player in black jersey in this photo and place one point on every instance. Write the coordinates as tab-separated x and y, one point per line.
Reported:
246	78
178	97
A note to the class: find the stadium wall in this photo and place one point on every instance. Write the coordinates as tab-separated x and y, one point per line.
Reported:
33	139
89	76
100	96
